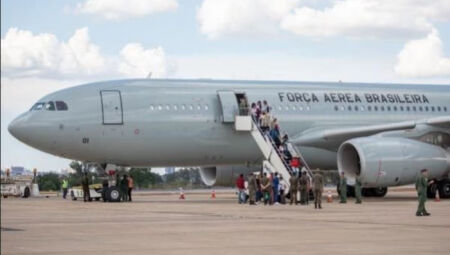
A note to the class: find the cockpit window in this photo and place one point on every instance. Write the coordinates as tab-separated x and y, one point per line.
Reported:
37	106
50	106
61	106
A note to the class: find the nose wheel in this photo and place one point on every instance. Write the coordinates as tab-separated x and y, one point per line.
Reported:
113	194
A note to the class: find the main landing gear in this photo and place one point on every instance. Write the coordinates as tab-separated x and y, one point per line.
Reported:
443	186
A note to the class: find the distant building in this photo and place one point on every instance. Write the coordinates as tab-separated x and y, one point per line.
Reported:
170	170
17	170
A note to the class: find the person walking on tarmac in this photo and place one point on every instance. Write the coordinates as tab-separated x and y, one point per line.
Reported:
358	185
318	189
293	181
130	187
266	187
421	187
343	188
85	184
124	188
251	188
65	185
240	185
303	187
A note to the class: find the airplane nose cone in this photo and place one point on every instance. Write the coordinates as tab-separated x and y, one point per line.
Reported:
17	128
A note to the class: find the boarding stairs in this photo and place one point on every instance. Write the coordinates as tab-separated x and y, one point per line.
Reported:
274	160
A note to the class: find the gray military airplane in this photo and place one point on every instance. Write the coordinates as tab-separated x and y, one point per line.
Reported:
383	133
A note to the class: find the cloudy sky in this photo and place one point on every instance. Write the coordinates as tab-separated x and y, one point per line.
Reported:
49	45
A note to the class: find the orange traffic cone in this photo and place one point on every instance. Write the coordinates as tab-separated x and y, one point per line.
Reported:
329	197
213	194
437	198
181	194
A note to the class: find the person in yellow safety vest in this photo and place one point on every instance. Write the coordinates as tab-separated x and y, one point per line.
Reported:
64	185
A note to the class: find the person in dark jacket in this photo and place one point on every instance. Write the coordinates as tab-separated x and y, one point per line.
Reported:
124	188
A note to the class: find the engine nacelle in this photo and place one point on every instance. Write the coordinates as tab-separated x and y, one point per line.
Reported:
391	161
224	175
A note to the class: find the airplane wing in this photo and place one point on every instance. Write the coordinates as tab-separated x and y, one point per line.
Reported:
334	137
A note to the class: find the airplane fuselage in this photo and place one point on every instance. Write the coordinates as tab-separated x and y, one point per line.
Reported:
180	122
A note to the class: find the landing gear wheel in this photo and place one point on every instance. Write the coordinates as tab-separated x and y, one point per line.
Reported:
113	194
26	192
367	192
444	188
379	192
431	190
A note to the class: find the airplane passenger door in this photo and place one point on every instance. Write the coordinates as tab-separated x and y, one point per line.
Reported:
229	105
111	107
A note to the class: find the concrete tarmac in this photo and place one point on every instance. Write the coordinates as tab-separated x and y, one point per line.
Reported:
163	224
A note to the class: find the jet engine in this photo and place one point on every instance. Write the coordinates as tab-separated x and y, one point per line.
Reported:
391	161
224	175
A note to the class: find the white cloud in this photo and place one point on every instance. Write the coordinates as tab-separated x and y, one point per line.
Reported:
121	9
135	61
423	58
351	18
242	17
26	54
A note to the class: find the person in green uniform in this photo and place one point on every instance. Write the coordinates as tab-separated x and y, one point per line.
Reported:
343	188
293	181
85	184
318	189
266	187
421	187
358	189
303	186
251	188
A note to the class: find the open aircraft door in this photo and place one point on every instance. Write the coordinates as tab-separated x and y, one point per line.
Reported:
112	112
229	105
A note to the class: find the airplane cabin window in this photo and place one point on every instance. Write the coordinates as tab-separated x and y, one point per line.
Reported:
61	106
160	107
167	107
300	108
382	108
342	108
375	108
388	108
439	108
369	108
432	108
50	106
414	108
361	108
206	107
308	108
407	108
426	108
420	108
395	108
401	108
151	108
183	107
349	108
191	107
356	108
445	108
280	108
175	107
336	108
287	108
199	107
